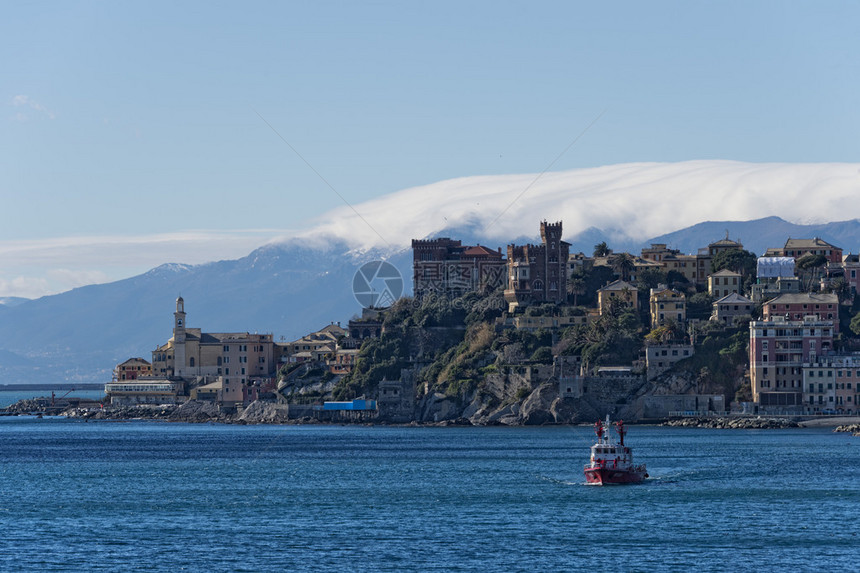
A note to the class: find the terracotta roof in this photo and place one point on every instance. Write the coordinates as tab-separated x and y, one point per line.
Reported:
480	250
808	244
805	297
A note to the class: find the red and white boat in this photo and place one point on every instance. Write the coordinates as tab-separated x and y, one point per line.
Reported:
612	463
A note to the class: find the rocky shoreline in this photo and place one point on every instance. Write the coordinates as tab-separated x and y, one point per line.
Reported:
260	412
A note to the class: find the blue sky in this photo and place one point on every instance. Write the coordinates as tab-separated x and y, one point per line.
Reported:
125	126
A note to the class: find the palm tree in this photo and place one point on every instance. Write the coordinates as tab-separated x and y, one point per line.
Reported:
576	287
623	264
601	250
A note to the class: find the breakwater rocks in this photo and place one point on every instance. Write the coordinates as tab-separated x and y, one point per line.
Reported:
733	423
193	411
27	406
852	428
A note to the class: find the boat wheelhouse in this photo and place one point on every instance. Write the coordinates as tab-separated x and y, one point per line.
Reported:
612	463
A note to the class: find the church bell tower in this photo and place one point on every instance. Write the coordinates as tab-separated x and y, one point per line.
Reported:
179	321
179	338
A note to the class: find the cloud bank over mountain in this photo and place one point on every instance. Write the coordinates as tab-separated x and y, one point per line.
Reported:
628	203
631	201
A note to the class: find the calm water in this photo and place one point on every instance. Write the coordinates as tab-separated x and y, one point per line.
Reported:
138	496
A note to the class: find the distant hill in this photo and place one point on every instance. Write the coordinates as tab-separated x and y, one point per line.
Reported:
759	235
80	335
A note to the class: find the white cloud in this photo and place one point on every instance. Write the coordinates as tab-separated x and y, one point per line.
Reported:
188	246
77	278
27	287
34	268
28	102
640	200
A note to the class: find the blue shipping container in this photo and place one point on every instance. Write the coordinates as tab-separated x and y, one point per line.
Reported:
354	405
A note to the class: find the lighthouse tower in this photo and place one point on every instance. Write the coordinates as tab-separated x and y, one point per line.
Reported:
179	338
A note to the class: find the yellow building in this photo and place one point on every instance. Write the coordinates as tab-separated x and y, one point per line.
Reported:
625	293
195	355
132	369
723	283
667	304
695	268
323	341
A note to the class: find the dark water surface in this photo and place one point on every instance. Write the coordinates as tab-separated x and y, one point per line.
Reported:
138	496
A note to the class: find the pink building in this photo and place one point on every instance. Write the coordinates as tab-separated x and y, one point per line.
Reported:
832	385
801	247
800	305
779	348
851	272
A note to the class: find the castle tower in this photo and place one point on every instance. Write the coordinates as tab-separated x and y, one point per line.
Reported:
179	338
555	273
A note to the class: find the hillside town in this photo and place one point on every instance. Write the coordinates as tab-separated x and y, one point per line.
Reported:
535	334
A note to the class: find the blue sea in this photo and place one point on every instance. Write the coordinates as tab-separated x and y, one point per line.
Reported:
150	496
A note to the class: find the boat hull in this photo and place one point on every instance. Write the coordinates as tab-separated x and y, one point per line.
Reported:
609	476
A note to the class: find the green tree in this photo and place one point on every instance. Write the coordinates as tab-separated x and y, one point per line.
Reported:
542	355
700	306
677	280
740	261
601	249
576	286
649	278
810	268
623	264
855	324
